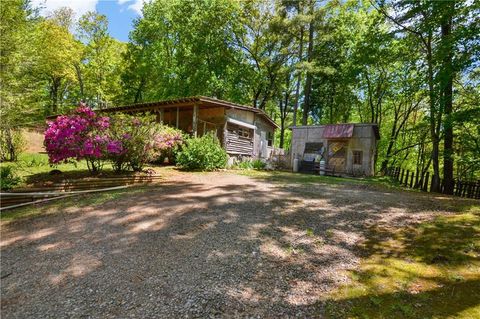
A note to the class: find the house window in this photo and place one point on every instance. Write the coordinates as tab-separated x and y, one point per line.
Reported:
243	132
270	139
357	157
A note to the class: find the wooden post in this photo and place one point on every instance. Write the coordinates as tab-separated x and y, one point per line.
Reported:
406	178
178	116
469	189
161	113
402	171
411	180
195	120
425	185
225	134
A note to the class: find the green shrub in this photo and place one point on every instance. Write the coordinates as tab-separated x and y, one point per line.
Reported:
202	153
245	165
8	178
251	164
258	164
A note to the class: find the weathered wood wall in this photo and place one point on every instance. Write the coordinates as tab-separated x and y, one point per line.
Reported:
236	144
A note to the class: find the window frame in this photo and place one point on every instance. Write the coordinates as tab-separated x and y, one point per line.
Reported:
269	139
357	157
243	132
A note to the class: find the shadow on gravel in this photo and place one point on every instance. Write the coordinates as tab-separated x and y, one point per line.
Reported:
220	248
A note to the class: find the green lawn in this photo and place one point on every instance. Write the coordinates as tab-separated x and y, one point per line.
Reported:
34	167
64	205
428	271
290	177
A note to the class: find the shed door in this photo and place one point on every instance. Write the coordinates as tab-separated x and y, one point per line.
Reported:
263	144
337	155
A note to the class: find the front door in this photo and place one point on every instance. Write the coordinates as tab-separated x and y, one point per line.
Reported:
337	155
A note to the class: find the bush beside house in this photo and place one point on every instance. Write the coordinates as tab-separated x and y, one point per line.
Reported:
127	142
202	153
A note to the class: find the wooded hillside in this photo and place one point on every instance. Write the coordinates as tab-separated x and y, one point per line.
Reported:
410	66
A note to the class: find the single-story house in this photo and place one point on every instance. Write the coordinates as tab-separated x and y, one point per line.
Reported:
242	130
347	149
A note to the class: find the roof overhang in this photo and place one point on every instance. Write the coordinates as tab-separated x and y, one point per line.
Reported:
241	123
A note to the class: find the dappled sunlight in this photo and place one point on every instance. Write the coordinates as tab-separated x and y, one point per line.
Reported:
432	265
58	245
80	265
41	233
258	247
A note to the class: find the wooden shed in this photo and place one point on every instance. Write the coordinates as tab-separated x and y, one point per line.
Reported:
242	130
347	149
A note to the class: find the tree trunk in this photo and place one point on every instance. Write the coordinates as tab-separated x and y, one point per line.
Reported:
434	118
299	80
54	87
308	81
447	101
80	81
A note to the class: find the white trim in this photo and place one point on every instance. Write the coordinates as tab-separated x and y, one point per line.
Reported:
241	123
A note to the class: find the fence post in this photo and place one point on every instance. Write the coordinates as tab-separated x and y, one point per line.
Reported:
469	190
401	175
406	178
411	180
425	185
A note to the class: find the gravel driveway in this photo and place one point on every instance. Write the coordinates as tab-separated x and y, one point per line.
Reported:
199	245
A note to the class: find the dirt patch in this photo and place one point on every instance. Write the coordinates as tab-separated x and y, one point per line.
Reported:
200	245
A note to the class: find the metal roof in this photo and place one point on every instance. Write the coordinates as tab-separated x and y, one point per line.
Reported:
189	101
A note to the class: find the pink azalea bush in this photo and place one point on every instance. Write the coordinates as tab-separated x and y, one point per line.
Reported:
81	135
167	142
125	141
143	141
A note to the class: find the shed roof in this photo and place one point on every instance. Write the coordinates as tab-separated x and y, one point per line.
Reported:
202	101
341	130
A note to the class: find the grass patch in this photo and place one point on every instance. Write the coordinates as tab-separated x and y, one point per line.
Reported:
428	271
298	178
36	163
69	203
34	168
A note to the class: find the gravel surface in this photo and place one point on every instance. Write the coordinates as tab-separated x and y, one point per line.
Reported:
198	246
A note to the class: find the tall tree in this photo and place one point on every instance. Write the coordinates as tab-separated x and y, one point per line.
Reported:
99	73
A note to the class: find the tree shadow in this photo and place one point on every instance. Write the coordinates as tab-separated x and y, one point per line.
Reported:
207	245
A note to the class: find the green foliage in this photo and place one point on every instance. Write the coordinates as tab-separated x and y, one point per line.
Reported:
102	67
202	153
8	178
331	61
244	165
258	164
12	143
183	48
137	138
248	163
